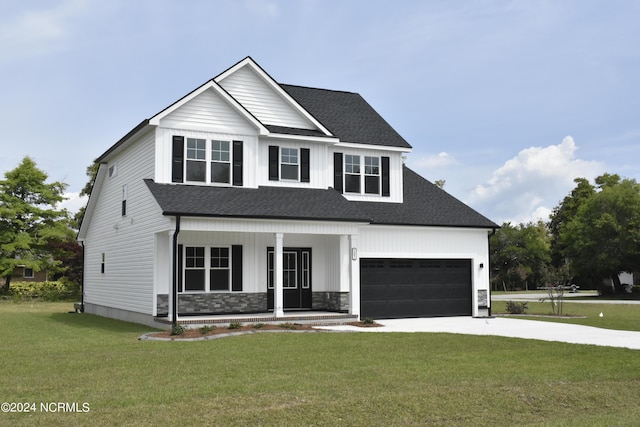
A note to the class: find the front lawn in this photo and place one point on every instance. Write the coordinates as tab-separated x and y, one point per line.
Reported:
324	379
624	317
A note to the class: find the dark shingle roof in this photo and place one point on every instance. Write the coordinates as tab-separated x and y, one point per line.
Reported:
263	202
347	115
423	204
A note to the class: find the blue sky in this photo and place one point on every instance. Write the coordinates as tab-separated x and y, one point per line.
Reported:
507	101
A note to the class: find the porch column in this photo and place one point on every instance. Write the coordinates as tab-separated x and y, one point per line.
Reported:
354	294
278	297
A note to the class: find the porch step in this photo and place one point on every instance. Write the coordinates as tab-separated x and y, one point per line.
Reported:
317	319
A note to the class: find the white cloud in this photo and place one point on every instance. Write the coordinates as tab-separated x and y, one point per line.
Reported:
37	31
433	161
73	202
528	186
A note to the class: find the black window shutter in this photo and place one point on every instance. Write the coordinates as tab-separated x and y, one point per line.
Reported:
274	153
180	268
337	171
304	165
237	163
236	268
386	185
177	165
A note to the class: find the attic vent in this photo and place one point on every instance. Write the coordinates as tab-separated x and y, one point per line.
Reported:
113	171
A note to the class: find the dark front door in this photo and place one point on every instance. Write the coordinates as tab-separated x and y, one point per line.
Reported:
296	278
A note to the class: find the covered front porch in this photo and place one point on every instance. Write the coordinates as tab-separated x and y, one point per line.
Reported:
257	271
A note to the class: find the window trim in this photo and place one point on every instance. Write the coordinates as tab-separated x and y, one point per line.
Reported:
284	163
207	268
362	173
208	161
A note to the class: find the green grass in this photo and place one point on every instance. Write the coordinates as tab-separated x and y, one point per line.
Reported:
322	379
625	317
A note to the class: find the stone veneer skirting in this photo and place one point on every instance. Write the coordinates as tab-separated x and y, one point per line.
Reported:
239	302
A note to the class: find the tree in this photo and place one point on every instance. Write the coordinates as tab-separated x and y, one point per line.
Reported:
92	172
29	220
563	214
603	238
520	254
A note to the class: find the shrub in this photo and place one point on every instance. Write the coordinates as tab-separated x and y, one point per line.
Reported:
291	326
177	329
258	325
516	307
206	329
367	321
46	291
235	325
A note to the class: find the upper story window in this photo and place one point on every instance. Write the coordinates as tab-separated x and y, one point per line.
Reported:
207	161
365	175
220	161
289	163
196	164
355	180
352	174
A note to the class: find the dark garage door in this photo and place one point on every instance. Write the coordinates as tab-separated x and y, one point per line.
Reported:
396	288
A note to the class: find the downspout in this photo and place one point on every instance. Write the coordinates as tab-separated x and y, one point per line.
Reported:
82	279
174	291
490	235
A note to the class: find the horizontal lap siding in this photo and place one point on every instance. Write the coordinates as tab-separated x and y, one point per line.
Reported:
263	101
208	111
128	242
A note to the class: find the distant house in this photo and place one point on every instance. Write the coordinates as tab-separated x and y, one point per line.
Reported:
252	197
26	274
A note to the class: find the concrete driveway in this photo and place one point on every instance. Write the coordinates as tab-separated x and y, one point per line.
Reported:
507	327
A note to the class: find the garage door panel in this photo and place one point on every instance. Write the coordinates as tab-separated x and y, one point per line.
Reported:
396	288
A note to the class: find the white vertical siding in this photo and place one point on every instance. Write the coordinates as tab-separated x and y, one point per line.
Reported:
164	152
208	111
262	100
324	255
395	173
128	242
317	167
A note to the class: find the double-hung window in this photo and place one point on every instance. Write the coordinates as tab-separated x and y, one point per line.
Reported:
220	161
207	269
354	178
372	175
208	161
352	173
289	163
196	163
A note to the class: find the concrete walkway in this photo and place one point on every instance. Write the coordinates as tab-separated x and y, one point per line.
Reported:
507	327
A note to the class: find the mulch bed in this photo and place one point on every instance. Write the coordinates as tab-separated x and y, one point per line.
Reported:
213	331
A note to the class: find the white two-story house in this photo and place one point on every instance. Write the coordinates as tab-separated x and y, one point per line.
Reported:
252	197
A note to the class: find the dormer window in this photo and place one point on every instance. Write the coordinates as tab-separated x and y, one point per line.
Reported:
364	175
289	163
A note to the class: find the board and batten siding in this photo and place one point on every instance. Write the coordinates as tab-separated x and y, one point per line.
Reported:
429	243
127	242
208	111
163	155
395	172
263	101
324	256
318	159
